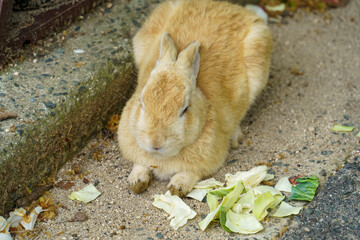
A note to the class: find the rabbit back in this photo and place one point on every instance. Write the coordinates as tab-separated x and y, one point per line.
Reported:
235	51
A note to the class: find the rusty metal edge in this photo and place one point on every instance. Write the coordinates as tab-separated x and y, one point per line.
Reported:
44	24
6	8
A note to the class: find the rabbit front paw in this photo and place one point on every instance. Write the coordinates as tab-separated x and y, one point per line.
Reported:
139	179
181	184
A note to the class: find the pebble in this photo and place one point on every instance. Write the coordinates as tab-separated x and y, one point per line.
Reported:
49	104
79	51
60	94
159	235
96	182
136	23
50	90
59	50
81	89
39	86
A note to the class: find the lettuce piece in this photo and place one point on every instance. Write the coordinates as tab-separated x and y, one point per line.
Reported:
28	222
278	197
3	224
222	217
261	204
212	201
211	216
5	236
245	203
197	194
86	195
227	202
208	183
233	196
342	128
358	134
16	216
286	209
268	177
242	223
305	189
283	185
223	191
202	188
178	210
249	178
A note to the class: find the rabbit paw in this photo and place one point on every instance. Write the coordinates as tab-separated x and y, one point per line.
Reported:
236	137
181	184
139	179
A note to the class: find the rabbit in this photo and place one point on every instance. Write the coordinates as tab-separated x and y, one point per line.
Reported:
200	64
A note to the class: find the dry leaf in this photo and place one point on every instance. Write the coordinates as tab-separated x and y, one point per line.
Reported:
113	123
80	64
65	185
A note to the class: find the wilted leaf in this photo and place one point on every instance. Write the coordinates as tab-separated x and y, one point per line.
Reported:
65	185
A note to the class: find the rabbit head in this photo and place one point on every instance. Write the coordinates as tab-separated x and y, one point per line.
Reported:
171	110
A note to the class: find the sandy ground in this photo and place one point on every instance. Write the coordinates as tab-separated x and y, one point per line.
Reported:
314	84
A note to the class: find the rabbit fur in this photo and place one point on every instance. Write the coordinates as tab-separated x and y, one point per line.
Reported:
201	64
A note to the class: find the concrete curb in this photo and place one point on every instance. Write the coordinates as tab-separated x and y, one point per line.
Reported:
52	141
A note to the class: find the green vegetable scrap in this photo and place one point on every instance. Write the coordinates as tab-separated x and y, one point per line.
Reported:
227	202
212	201
342	128
305	189
358	134
261	204
242	203
222	217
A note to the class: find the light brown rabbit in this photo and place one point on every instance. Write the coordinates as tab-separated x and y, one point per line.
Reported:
201	64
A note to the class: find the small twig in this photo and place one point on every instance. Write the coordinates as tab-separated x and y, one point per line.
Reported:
37	233
6	115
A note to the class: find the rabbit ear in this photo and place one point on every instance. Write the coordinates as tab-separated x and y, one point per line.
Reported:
168	50
189	59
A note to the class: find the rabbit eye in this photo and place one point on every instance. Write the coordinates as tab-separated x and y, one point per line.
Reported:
184	111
